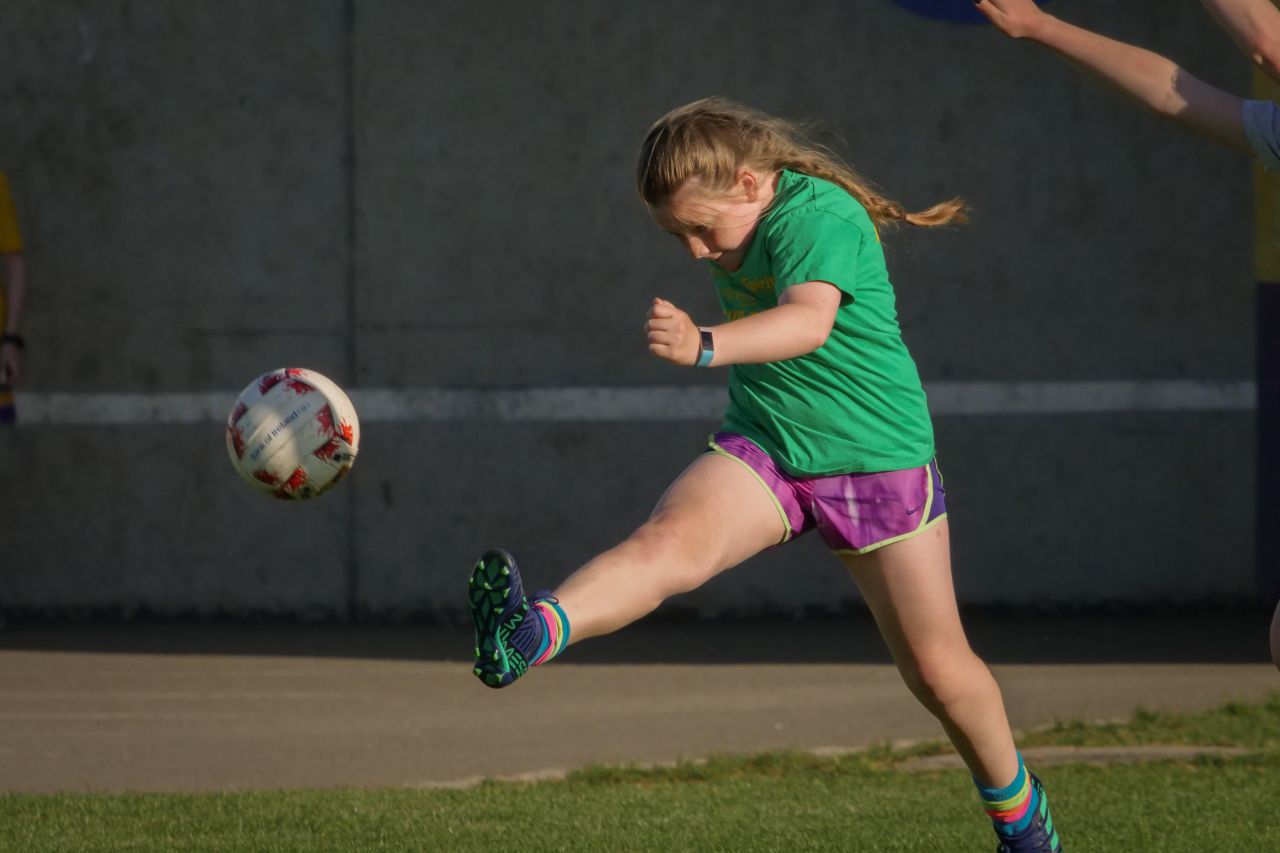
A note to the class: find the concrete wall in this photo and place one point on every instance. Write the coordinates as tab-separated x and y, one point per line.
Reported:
407	195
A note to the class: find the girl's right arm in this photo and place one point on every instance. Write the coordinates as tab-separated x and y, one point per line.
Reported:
1145	77
1255	26
796	326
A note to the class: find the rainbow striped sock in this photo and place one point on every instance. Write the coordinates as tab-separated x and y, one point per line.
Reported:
1011	807
555	633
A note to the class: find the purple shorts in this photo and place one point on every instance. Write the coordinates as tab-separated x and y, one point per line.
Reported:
854	513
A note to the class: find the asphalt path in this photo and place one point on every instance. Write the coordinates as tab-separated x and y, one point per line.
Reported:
217	707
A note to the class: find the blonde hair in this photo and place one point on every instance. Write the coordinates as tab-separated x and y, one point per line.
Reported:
711	139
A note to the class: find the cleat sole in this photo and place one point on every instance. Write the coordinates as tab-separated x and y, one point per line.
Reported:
489	595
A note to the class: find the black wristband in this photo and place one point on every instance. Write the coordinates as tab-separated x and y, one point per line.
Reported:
706	348
17	340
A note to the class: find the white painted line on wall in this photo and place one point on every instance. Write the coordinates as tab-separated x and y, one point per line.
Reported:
1051	398
643	403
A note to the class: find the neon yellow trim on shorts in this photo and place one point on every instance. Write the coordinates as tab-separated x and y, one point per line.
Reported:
777	504
920	528
858	552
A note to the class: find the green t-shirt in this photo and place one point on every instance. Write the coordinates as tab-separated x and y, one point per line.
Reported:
855	404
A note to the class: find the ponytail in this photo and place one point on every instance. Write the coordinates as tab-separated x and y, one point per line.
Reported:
712	138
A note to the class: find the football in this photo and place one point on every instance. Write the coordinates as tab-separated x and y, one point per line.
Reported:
293	433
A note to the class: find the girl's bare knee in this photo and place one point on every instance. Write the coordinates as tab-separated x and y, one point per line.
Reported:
944	678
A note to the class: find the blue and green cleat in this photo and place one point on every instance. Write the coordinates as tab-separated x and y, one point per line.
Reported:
498	608
1039	836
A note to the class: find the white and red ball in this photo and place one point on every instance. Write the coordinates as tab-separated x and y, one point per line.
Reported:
293	433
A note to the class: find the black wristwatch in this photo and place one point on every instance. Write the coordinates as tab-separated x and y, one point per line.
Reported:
17	340
706	348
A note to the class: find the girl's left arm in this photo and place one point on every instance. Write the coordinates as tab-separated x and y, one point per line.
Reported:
798	325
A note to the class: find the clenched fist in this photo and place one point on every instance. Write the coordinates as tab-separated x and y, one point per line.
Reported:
672	334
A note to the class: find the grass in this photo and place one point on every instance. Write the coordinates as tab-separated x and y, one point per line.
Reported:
769	802
1232	724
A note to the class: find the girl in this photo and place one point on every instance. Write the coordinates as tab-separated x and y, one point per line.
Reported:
1158	84
827	428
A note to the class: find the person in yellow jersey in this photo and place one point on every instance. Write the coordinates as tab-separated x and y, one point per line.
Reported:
12	297
12	300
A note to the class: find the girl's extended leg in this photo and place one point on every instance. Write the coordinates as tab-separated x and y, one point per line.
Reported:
715	515
908	587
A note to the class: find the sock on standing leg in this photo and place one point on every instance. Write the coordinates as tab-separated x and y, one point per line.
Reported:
1011	807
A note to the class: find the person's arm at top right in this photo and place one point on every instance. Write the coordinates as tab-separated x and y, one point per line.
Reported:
1255	26
1148	78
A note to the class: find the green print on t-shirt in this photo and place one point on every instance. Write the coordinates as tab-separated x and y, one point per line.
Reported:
743	297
